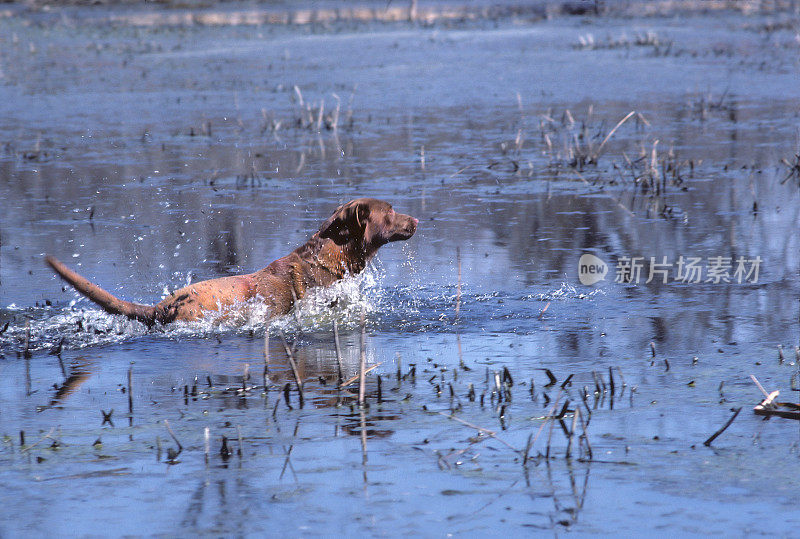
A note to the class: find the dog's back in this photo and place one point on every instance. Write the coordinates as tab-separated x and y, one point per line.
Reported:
344	244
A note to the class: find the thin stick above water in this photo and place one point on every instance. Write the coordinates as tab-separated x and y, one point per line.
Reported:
169	429
28	448
206	442
611	133
721	430
764	391
363	364
294	368
338	350
357	377
130	389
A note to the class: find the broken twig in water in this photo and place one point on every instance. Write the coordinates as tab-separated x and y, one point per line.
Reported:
356	378
22	440
541	313
770	407
764	391
487	432
294	368
727	424
169	429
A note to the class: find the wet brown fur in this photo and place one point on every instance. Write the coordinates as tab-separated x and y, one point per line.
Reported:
344	244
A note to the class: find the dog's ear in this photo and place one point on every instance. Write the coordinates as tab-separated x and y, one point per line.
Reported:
346	223
335	229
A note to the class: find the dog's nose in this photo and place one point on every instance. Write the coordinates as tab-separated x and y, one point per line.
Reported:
416	221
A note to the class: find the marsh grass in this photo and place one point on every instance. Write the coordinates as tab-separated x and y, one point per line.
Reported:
578	144
649	39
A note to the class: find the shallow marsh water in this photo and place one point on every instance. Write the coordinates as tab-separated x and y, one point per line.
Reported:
146	157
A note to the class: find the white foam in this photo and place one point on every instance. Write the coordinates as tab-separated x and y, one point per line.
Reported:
345	300
563	292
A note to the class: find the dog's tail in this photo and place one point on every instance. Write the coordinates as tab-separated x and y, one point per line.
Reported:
146	314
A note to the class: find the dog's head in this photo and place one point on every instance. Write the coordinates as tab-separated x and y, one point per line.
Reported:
368	222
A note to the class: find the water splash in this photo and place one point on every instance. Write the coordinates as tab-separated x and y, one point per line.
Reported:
564	292
414	307
345	301
47	328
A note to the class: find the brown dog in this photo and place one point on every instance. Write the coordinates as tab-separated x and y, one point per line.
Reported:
343	245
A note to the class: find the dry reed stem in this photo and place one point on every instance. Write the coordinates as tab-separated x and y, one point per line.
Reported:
130	389
169	429
764	391
611	133
48	435
362	385
294	367
338	351
357	377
